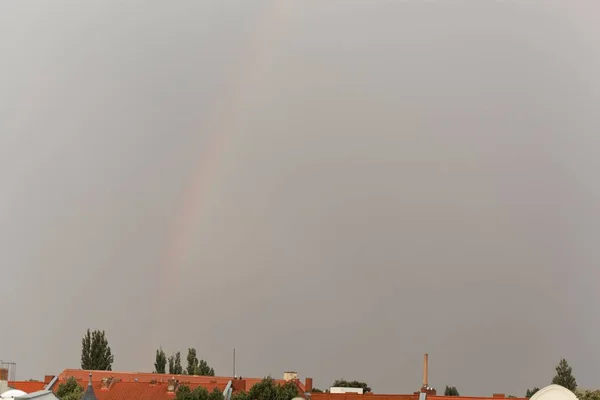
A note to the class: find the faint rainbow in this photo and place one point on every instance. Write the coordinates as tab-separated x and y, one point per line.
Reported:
223	123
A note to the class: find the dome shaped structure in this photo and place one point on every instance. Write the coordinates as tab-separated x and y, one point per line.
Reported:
554	392
11	394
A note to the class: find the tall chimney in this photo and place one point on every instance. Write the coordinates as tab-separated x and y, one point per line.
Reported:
425	371
308	386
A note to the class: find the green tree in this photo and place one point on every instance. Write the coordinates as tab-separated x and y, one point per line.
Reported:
160	365
241	395
69	390
268	389
531	392
200	393
185	393
204	369
216	394
352	384
564	376
175	367
315	390
197	367
264	390
451	391
178	366
171	361
287	391
95	352
73	396
192	362
588	394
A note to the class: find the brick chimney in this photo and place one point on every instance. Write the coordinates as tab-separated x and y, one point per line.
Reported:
425	388
239	384
172	385
308	385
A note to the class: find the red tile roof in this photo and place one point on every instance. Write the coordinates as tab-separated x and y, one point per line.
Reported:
148	386
474	398
138	391
370	396
27	386
97	376
138	385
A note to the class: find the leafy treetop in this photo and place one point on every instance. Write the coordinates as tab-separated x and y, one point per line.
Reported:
564	376
175	367
160	365
352	384
95	352
588	394
197	367
451	391
268	389
69	390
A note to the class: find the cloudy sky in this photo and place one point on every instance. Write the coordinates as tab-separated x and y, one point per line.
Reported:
333	187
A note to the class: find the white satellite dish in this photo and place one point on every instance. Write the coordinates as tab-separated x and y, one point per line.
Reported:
554	392
11	394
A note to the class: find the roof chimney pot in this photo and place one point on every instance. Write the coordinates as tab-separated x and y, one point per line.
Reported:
425	371
172	385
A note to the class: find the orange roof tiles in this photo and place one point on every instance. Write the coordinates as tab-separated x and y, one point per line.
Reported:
146	377
27	386
473	398
137	391
148	386
370	396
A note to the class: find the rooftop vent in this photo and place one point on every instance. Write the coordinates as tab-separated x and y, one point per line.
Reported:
172	385
106	383
290	376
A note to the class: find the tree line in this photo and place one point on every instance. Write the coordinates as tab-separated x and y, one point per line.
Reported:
564	377
194	366
96	355
267	389
200	393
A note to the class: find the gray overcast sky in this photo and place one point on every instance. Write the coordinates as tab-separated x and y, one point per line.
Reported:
334	187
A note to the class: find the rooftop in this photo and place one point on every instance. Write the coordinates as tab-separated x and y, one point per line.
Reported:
370	396
113	385
40	395
27	386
